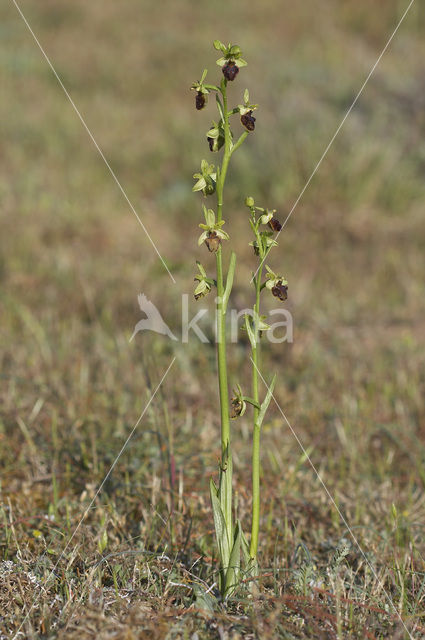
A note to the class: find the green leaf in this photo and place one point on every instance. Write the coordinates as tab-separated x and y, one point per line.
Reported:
250	331
204	75
229	280
219	106
220	526
103	542
245	548
266	402
234	568
225	490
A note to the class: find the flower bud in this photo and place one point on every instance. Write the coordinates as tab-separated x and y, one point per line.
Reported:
230	70
200	100
248	121
249	201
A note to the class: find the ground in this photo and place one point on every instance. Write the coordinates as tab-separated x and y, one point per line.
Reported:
341	544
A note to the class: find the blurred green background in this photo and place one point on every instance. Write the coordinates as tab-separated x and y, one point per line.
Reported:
73	256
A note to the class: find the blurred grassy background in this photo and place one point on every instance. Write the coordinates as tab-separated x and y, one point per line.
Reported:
73	258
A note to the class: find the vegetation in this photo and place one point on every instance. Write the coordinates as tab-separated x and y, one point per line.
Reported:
231	541
73	259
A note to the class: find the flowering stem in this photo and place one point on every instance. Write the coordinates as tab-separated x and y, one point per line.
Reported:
257	427
226	459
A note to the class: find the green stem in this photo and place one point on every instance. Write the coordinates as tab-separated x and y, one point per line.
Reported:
221	353
226	486
257	427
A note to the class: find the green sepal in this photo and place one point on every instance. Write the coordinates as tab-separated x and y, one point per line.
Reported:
219	46
201	184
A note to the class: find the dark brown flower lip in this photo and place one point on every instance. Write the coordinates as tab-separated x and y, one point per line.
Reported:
213	242
280	291
248	121
236	407
200	100
230	70
274	224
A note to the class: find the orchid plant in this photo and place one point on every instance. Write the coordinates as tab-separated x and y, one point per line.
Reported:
237	555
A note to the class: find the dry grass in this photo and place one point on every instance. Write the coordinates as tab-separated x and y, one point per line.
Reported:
73	258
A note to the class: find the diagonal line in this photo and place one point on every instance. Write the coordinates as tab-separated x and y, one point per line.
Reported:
111	171
333	502
353	104
100	488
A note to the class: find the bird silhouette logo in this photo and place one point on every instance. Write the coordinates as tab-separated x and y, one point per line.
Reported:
153	320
